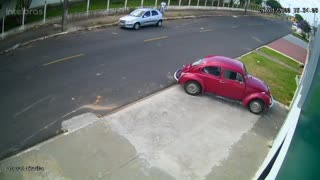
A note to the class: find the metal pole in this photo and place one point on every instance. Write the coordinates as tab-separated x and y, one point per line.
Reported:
218	3
125	4
179	3
168	3
23	16
155	4
65	14
44	12
205	3
229	4
3	18
222	3
108	4
212	2
88	6
141	3
198	2
246	6
189	4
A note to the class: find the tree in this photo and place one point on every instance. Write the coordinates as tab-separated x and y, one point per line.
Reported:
21	4
256	2
231	2
242	2
274	4
305	26
298	17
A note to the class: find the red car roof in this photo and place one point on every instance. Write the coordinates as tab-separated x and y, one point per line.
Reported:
224	62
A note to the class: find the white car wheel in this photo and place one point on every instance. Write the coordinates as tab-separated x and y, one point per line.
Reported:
159	23
136	26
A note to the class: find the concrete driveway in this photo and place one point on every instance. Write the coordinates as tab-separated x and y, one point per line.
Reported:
169	135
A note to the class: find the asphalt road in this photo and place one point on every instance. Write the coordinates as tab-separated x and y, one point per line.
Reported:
55	79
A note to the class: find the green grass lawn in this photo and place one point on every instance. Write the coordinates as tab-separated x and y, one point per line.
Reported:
282	58
280	79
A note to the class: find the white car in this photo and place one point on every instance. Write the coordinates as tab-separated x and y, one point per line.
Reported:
141	17
294	26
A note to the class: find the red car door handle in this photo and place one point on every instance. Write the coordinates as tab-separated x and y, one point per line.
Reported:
222	82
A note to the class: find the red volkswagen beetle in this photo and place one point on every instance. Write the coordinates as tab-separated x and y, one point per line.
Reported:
225	77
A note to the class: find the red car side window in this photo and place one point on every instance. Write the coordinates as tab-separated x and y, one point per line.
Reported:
227	74
212	70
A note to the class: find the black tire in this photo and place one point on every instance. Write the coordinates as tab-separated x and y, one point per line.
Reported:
159	23
256	106
192	88
136	26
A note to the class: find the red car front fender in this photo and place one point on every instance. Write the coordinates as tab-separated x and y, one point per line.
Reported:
191	77
259	95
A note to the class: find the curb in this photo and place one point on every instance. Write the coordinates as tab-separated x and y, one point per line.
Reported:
172	85
31	41
54	35
100	26
283	54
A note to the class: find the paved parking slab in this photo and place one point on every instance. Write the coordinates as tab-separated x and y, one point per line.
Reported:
296	41
290	49
169	135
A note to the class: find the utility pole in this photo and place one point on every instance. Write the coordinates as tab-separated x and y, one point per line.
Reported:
65	14
45	11
125	4
23	16
108	5
3	19
88	7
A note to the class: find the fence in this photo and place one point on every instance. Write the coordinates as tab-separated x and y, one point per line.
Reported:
19	20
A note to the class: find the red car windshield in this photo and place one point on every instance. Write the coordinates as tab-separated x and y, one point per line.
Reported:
197	62
245	70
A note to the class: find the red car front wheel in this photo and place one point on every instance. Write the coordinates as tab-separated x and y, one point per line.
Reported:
192	87
256	106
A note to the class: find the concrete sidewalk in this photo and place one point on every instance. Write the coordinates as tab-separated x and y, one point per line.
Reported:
169	135
292	47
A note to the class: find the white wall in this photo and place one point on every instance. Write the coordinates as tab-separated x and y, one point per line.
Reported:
37	3
11	4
